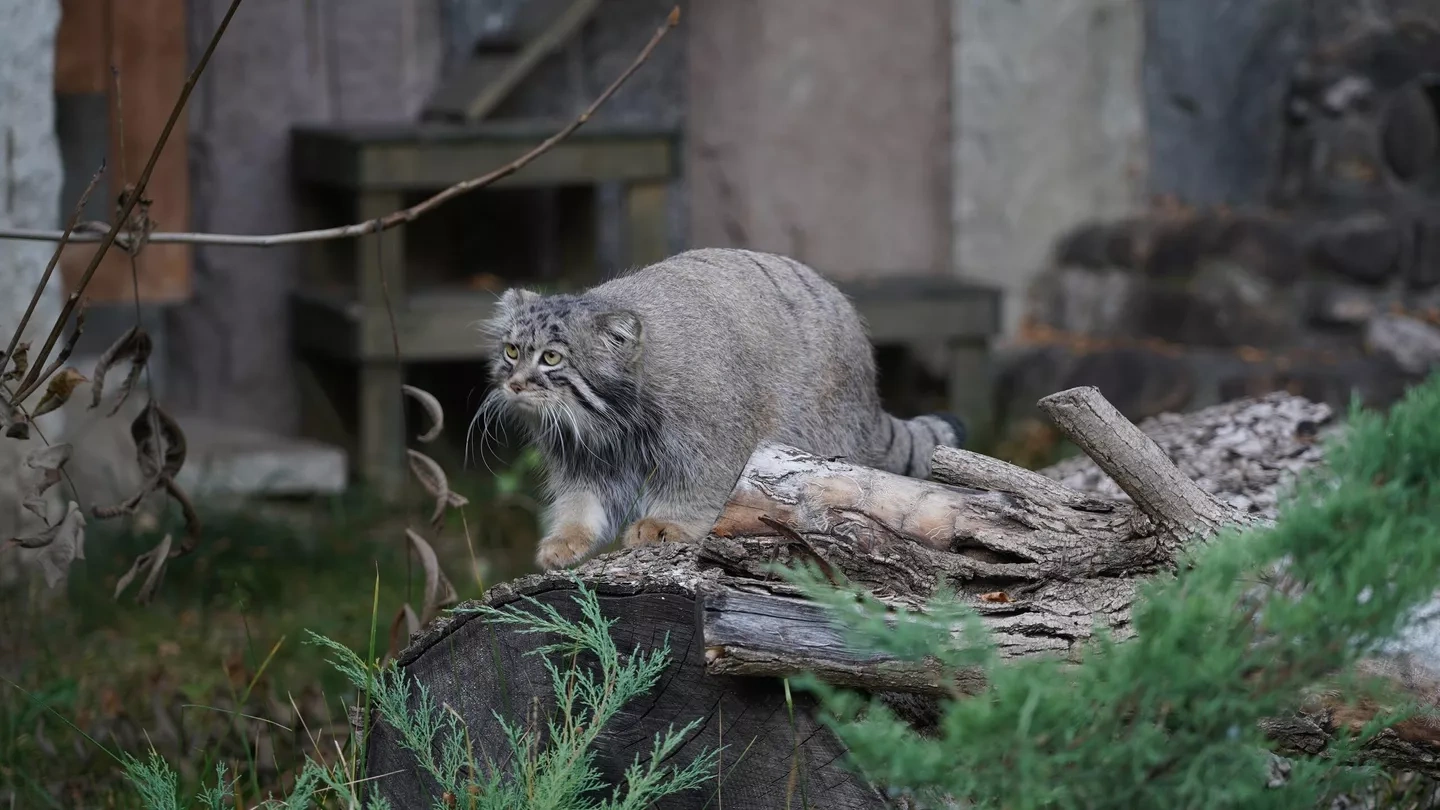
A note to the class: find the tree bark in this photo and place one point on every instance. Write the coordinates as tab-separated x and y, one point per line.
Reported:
1042	564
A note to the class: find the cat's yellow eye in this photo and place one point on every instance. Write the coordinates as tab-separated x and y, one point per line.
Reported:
550	358
511	351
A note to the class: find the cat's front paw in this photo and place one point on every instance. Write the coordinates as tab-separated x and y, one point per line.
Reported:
565	546
654	530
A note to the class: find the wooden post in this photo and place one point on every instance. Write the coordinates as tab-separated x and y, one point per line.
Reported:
646	232
145	41
382	409
970	381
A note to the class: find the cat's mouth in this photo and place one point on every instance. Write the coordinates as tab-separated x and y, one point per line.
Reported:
529	401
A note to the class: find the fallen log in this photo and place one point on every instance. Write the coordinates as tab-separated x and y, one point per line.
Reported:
1042	563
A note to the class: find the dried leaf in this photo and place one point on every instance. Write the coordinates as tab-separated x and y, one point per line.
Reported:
157	436
438	590
58	392
127	506
19	364
192	518
59	545
138	226
996	596
153	563
48	461
432	408
135	346
404	618
432	477
65	352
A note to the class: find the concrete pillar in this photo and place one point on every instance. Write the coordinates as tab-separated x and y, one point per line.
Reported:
30	181
1049	129
30	175
819	129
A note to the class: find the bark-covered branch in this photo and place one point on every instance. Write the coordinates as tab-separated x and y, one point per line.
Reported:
1043	557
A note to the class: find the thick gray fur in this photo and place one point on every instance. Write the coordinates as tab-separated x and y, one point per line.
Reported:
671	376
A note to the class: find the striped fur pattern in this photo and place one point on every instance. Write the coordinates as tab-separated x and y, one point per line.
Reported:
647	394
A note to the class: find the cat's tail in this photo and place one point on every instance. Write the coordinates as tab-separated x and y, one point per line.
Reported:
904	446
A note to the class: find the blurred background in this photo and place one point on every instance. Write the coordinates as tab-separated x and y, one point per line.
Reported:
1181	202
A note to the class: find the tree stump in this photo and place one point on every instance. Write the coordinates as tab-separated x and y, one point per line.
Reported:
1041	563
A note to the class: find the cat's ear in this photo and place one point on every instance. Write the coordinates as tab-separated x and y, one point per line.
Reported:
513	298
621	329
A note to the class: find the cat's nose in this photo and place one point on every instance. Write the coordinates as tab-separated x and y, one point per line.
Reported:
517	386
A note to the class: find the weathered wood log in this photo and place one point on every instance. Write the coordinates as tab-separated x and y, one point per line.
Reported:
1244	452
1042	564
774	744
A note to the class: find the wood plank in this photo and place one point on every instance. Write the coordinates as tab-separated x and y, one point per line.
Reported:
80	47
437	165
381	265
424	163
147	43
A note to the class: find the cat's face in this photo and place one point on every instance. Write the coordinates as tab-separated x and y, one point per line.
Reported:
563	360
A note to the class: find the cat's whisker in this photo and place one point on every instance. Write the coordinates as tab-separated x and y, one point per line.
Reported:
487	414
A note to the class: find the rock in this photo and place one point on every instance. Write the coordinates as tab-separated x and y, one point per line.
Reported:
1363	247
1138	383
1422	271
1339	305
1412	344
1214	83
1024	72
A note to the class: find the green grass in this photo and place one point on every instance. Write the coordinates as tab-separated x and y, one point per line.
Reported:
224	635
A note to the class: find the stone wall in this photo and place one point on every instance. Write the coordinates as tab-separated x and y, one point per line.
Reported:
1049	129
1324	279
819	129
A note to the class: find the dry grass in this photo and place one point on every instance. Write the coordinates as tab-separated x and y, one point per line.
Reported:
227	621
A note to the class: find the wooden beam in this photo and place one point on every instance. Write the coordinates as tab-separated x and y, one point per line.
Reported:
145	41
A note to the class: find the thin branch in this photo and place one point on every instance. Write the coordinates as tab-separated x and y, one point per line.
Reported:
390	220
123	217
50	267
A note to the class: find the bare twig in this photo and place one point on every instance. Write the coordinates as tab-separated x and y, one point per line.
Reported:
133	199
389	220
50	266
65	352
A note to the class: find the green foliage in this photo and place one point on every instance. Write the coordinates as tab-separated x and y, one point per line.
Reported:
553	772
1170	718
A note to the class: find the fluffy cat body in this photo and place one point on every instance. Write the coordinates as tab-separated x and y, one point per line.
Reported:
647	394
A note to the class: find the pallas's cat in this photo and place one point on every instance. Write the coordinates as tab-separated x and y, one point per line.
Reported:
647	394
